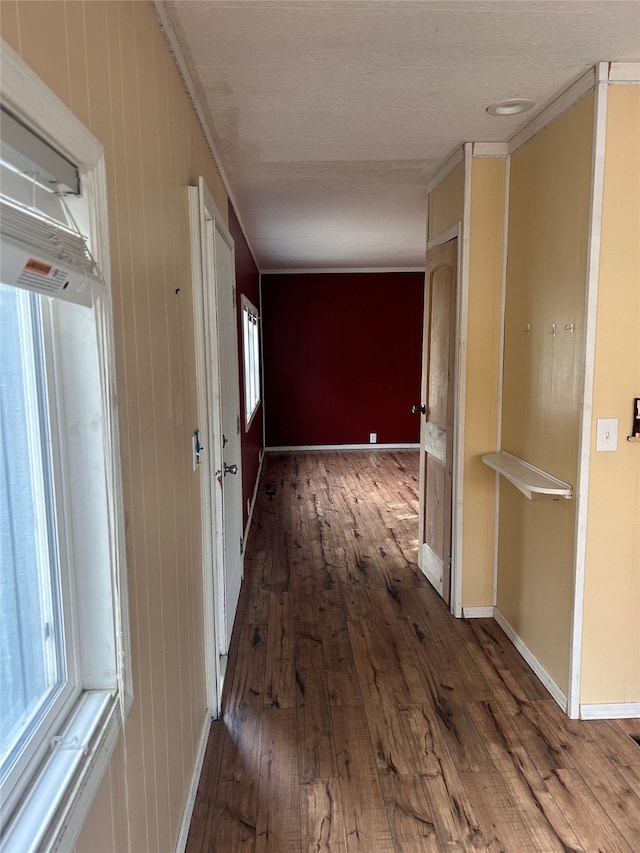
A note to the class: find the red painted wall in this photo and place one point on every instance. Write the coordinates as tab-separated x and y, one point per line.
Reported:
247	283
342	357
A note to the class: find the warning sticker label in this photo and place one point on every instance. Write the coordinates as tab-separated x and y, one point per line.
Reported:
43	277
38	266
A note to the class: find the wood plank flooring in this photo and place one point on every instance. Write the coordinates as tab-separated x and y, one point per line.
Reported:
358	715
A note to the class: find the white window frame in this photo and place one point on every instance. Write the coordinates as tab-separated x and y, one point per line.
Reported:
55	801
251	361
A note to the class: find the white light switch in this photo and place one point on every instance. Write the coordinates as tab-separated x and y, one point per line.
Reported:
607	434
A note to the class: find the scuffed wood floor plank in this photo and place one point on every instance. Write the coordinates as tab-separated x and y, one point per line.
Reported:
321	817
278	823
359	715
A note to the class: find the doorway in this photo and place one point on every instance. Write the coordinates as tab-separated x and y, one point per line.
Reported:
437	410
219	460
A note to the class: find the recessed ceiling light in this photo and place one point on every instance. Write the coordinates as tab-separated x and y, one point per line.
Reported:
511	107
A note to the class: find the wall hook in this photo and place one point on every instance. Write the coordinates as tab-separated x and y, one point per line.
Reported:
569	327
527	328
554	330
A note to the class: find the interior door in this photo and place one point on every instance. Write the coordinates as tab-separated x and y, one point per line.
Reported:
436	411
229	474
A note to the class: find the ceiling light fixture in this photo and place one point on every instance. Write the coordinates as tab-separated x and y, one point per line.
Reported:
511	107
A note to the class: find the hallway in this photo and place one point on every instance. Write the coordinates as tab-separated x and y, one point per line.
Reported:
358	714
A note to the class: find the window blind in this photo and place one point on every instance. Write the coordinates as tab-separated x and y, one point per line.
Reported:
41	247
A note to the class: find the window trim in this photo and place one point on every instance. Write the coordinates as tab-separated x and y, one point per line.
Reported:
57	707
99	715
247	306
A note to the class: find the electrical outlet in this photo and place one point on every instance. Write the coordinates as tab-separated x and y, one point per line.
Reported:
373	437
607	434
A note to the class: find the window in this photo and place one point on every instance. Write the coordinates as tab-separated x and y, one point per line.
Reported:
63	625
251	351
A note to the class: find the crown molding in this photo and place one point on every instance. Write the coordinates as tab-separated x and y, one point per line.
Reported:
566	99
490	149
170	35
341	271
624	72
444	170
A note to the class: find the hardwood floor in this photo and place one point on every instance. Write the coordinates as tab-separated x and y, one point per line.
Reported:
359	715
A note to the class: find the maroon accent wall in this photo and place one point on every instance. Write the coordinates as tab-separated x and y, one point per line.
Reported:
342	357
247	283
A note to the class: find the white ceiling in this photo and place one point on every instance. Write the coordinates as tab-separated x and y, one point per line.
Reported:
330	116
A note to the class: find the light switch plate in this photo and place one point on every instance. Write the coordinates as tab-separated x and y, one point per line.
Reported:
607	434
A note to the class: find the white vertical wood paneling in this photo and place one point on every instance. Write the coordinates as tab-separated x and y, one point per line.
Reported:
591	311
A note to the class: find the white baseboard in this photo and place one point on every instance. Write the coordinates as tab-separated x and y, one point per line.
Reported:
253	498
185	824
532	660
619	711
304	447
477	612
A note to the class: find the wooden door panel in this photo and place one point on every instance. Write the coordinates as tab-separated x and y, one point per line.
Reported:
436	434
230	404
435	442
439	345
435	506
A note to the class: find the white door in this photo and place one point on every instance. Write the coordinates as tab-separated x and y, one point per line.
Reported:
437	410
229	475
219	409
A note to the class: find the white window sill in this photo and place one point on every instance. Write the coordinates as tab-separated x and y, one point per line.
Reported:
249	420
53	810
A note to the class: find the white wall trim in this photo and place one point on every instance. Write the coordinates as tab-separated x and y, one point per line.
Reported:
303	448
490	149
477	612
166	27
30	100
446	167
624	72
342	270
187	814
532	660
586	415
262	396
210	512
615	711
552	111
252	504
503	311
449	234
461	390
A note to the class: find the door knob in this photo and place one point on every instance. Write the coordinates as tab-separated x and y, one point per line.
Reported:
419	410
230	469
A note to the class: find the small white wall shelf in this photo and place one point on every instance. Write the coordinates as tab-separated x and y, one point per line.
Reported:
526	477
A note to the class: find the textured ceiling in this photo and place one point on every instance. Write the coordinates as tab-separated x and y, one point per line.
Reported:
330	116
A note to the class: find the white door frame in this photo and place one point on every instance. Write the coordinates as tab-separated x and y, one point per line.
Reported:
460	368
203	209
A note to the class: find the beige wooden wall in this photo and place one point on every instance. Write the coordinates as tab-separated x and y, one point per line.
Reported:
486	260
611	647
109	63
485	228
542	395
